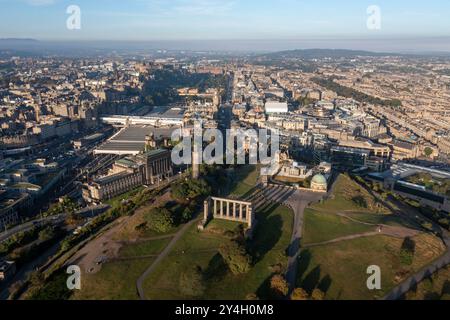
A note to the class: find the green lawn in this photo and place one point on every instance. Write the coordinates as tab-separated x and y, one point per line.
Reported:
200	251
342	199
145	248
222	225
246	178
340	269
322	226
387	219
116	281
116	201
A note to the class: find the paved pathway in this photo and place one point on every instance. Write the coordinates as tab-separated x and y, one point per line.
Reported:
161	257
346	238
296	200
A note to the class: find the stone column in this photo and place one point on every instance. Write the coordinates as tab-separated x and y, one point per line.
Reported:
241	213
249	216
206	211
228	209
234	210
215	208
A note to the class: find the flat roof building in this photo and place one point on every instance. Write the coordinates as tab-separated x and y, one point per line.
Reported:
131	140
276	107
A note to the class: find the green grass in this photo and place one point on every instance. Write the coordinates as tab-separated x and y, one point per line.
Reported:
321	226
246	177
115	281
223	225
341	200
387	219
339	269
149	233
145	248
195	249
336	204
116	201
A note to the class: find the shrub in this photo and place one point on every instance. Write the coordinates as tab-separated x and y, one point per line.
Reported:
160	220
236	257
279	286
407	251
317	294
299	294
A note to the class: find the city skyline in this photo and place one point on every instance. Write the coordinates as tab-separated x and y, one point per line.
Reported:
224	150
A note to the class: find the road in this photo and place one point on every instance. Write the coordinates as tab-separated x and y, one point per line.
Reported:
29	225
298	201
26	270
56	219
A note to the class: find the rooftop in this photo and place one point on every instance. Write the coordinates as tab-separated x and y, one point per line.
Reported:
319	179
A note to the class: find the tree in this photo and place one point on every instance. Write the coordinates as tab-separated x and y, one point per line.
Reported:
279	286
428	152
36	278
141	227
46	234
299	294
317	294
360	201
190	190
407	251
73	219
187	214
236	257
160	220
65	205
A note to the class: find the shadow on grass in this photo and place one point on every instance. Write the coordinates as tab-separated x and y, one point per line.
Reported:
235	176
313	279
446	288
267	234
216	270
325	284
264	292
304	260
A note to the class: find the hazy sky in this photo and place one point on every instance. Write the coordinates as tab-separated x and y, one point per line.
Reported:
223	19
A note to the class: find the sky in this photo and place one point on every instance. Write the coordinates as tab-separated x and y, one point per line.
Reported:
278	20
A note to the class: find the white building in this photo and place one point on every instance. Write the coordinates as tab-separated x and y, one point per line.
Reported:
276	107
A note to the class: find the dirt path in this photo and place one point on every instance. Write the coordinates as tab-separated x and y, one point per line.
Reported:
106	246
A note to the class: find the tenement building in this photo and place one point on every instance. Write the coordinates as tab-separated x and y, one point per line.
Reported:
131	172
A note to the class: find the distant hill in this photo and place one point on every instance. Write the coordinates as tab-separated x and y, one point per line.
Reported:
17	40
324	53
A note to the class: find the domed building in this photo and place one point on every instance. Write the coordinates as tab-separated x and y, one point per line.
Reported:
319	183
